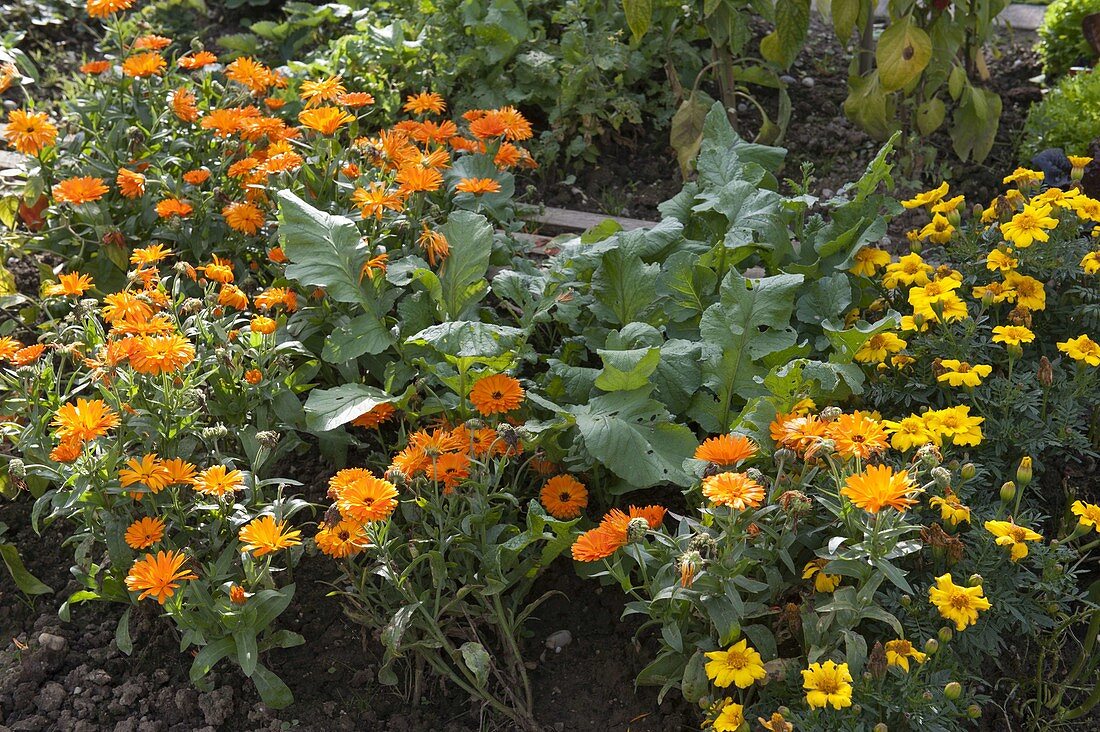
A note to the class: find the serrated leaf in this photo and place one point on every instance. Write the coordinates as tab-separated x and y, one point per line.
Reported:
462	275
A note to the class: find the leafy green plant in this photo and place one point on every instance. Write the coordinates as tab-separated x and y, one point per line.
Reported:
1065	118
1062	43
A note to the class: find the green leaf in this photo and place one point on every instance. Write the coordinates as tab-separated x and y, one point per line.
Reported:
208	657
975	123
273	691
687	286
624	287
24	580
363	334
639	15
122	634
724	156
694	683
902	53
627	370
635	438
327	409
792	23
325	251
477	660
248	654
868	106
395	629
462	275
930	115
845	14
828	297
470	339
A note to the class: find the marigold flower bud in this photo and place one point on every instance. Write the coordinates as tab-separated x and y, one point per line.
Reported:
876	662
880	727
953	690
968	471
929	455
975	580
906	600
16	468
1008	491
973	711
783	455
268	438
945	634
828	414
931	646
1024	472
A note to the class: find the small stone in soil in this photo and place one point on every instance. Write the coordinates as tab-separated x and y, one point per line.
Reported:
808	82
51	642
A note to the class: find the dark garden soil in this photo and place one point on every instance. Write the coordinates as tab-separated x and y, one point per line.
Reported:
637	168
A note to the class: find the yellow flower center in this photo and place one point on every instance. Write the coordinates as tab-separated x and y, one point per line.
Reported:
960	600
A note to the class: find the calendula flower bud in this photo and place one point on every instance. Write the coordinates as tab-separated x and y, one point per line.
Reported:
689	563
636	529
397	477
828	414
475	423
876	662
1008	491
27	372
332	516
268	438
931	646
953	690
942	476
705	544
1045	373
214	432
758	476
1024	472
16	468
508	433
929	455
710	469
784	455
795	503
968	471
945	634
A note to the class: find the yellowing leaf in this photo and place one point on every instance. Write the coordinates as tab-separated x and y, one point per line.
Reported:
902	53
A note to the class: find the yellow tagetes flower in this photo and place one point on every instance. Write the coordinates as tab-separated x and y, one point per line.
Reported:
868	261
1082	348
876	348
1090	263
956	424
879	487
1010	535
1028	291
898	653
909	432
1024	177
828	684
952	511
730	717
1012	335
822	582
740	665
939	230
1029	226
928	198
958	604
1079	161
999	260
961	373
1088	514
909	270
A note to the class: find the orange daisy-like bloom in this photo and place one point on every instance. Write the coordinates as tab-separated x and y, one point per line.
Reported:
434	244
195	61
564	497
28	355
345	538
878	487
376	199
103	8
797	432
29	132
253	376
410	461
496	394
95	68
85	420
315	93
425	103
151	42
516	126
243	217
74	284
438	441
376	416
277	255
125	305
160	576
726	449
180	472
218	481
149	471
252	74
275	296
857	435
161	355
8	347
233	297
265	535
478	186
79	190
242	167
355	99
450	468
414	179
145	532
262	324
150	255
141	65
220	270
597	544
237	595
170	207
225	122
183	105
735	490
325	120
130	184
364	497
488	126
67	451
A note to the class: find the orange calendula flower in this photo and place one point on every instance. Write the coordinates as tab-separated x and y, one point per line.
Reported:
67	451
434	244
145	532
277	255
355	99
416	179
29	132
151	42
237	595
158	577
596	544
375	200
496	394
8	347
726	449
253	376
857	435
266	535
161	355
149	471
183	105
150	255
170	207
219	270
252	74
74	284
315	93
79	190
119	306
218	481
243	217
196	177
343	539
878	487
195	61
488	126
362	496
103	8
450	469
478	186
262	324
425	103
233	297
142	65
274	296
180	472
325	120
564	497
95	68
84	420
130	184
28	355
735	490
376	416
